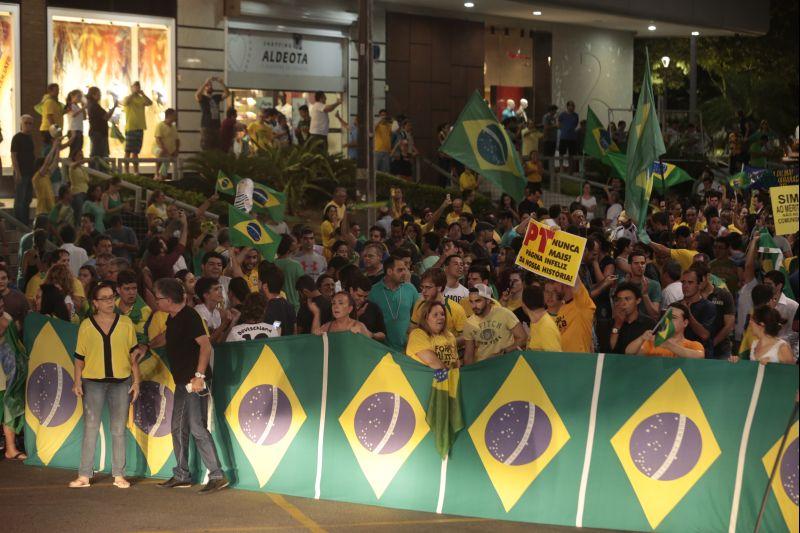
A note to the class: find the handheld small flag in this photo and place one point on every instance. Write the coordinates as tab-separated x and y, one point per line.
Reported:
665	329
645	145
247	231
225	185
772	259
481	143
597	141
739	181
444	409
266	199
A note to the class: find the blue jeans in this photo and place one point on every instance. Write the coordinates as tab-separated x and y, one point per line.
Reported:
95	396
22	200
190	415
383	162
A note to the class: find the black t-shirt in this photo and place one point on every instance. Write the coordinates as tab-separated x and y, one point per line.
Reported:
22	145
603	300
305	318
630	331
376	277
183	352
706	313
723	304
280	310
98	125
372	318
210	111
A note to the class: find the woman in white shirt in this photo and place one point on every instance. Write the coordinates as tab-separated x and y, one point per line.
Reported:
765	324
76	114
588	200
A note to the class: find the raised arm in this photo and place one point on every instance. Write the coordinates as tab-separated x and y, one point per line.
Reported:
750	261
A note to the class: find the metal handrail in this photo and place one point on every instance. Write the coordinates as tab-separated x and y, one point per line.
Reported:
120	162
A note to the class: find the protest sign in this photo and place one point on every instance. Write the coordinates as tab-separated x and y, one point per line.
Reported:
787	176
785	208
551	253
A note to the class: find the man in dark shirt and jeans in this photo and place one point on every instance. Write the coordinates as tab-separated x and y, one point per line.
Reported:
629	323
703	313
23	161
188	350
211	106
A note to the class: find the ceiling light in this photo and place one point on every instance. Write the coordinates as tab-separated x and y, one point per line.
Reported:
469	4
695	33
537	13
651	27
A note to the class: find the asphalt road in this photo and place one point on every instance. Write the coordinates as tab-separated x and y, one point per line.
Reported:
37	499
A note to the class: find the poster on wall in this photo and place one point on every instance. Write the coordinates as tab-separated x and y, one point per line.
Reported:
112	55
8	104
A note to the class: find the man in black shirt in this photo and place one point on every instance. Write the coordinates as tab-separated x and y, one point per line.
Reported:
367	312
629	324
23	161
188	350
211	106
307	290
278	308
703	313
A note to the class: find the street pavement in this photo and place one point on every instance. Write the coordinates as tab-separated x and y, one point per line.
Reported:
34	499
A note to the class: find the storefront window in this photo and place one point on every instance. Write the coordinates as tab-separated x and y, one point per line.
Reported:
8	79
249	103
112	54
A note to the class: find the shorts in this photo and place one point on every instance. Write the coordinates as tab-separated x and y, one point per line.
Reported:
133	141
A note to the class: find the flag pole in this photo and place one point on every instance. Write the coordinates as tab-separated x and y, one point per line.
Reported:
775	467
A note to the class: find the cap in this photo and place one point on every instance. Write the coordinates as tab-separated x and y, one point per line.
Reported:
623	216
482	290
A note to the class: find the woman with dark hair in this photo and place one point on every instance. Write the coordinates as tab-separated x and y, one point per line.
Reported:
432	343
60	276
94	205
106	372
188	279
98	124
50	302
766	324
622	249
87	275
238	290
507	203
326	285
330	223
343	310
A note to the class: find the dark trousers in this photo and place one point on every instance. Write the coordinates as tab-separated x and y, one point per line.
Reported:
190	415
323	140
22	199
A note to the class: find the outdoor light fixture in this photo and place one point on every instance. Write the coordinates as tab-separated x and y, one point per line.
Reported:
652	27
665	61
469	4
695	33
537	13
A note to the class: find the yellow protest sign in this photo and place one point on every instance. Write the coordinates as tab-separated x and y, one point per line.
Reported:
785	208
551	253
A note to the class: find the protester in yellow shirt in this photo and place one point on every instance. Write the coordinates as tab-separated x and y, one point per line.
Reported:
492	329
383	141
260	131
42	186
458	207
544	335
468	181
135	124
431	343
573	310
52	112
432	284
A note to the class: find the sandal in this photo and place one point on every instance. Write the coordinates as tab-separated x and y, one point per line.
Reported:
20	456
122	483
79	484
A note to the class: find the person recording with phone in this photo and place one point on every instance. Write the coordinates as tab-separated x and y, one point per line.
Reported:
188	350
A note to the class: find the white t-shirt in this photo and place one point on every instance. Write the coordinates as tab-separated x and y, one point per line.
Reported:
319	119
313	264
456	294
248	332
590	204
212	318
787	308
77	257
75	122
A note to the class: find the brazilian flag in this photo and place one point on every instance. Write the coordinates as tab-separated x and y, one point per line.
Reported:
268	200
247	231
482	144
666	330
597	141
226	185
664	175
444	409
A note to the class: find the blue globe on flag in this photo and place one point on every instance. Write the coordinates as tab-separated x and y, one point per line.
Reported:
491	145
254	231
260	197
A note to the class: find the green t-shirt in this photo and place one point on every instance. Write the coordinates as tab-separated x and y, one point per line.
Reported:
396	306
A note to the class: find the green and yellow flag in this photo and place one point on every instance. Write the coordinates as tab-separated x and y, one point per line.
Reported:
226	185
645	145
247	231
664	175
666	329
444	409
597	141
266	199
481	143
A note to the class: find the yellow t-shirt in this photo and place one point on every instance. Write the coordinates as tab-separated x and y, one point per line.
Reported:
452	216
158	324
36	281
574	321
260	134
341	210
468	181
327	230
134	113
491	333
454	316
443	345
78	180
51	106
168	133
545	336
683	257
110	359
383	137
45	200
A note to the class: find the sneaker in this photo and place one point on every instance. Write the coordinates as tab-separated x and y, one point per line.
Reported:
174	483
214	485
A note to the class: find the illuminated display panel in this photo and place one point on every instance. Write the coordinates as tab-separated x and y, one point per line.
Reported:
112	53
9	56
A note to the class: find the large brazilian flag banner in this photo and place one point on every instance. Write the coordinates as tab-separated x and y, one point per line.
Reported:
593	440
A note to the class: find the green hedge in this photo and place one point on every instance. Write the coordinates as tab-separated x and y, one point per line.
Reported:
189	197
